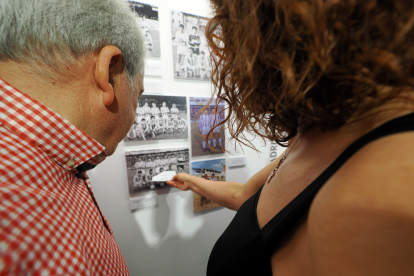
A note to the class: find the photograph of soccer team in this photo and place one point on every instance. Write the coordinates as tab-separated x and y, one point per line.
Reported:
159	117
214	170
191	57
148	18
201	123
145	164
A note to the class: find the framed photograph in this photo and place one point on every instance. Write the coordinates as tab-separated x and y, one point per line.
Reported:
144	164
202	122
148	18
159	117
214	170
191	57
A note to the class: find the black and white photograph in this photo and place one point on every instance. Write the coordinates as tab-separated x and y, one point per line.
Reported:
202	121
148	19
191	56
214	170
159	117
143	165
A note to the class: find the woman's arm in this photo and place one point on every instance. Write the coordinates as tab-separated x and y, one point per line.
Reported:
226	193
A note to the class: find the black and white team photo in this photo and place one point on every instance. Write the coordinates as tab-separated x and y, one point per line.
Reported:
159	117
143	165
148	19
191	55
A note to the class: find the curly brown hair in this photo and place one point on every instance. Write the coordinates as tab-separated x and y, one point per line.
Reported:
286	66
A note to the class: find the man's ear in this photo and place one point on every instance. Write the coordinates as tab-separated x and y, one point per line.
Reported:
108	66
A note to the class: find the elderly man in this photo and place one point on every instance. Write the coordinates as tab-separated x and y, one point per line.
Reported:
71	73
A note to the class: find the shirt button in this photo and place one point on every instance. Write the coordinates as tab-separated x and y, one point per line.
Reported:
71	163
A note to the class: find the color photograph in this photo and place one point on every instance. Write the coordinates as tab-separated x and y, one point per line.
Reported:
214	170
191	56
144	164
148	18
201	123
159	117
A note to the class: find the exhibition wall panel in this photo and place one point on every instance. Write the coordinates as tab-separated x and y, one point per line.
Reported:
169	238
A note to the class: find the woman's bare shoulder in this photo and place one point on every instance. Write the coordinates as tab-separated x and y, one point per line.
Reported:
380	175
362	220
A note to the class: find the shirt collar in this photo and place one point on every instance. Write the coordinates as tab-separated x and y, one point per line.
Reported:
35	123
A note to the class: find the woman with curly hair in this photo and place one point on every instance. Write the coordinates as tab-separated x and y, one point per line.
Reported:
334	80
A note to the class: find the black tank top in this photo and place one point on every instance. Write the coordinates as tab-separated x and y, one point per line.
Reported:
245	249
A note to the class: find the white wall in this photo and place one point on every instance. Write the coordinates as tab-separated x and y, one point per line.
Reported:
168	239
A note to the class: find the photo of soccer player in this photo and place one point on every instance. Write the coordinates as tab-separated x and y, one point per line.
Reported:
214	170
190	50
159	117
204	115
148	18
144	164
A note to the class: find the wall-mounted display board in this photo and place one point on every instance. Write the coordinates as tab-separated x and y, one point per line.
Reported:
201	123
214	170
159	117
190	50
142	165
148	18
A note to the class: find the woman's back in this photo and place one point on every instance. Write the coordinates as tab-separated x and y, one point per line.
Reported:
328	72
299	251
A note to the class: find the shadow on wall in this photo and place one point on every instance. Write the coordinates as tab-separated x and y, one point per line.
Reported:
172	240
166	240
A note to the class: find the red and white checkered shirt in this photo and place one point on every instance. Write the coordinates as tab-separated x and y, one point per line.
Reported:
50	223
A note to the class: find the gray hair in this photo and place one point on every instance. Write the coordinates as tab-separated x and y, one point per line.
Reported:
57	33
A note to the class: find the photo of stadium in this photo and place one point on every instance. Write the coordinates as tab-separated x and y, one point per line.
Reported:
214	170
144	164
201	122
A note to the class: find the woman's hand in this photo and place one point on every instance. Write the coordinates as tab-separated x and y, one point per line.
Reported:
181	181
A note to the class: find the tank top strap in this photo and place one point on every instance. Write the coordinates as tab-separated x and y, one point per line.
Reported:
279	226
